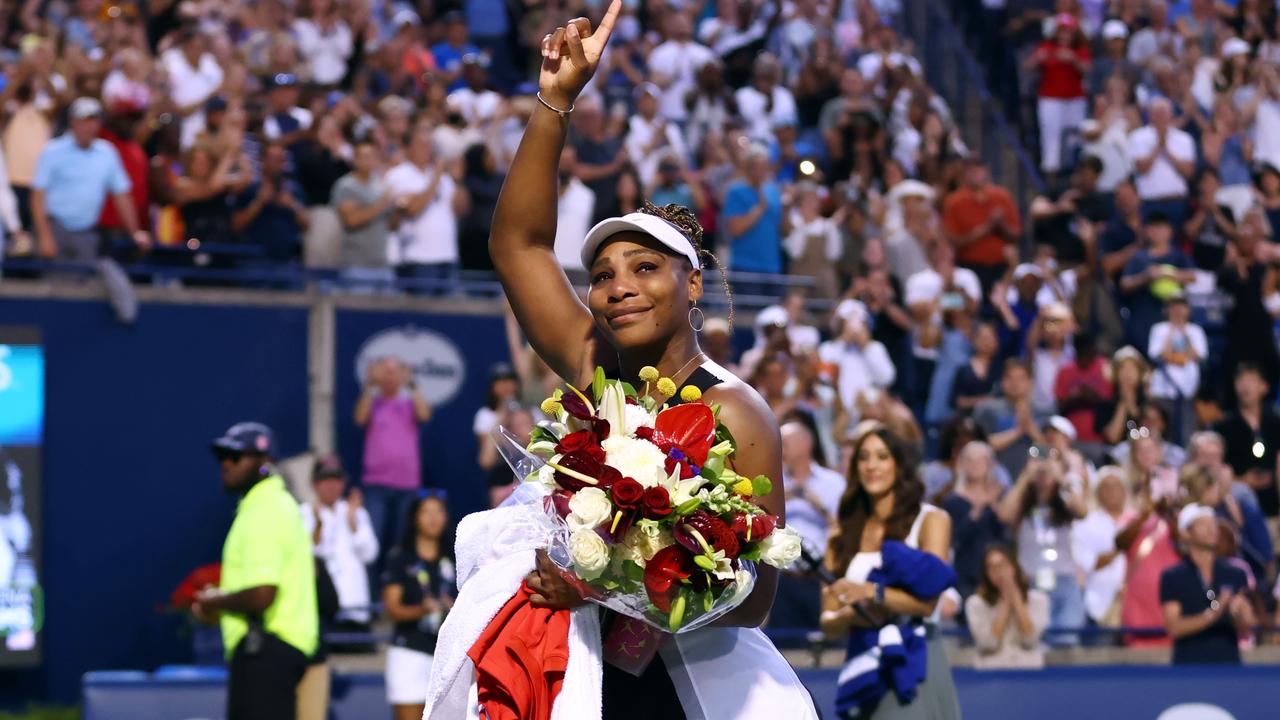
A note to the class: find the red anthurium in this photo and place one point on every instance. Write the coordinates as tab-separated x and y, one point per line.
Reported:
580	462
761	527
690	427
670	464
576	406
663	573
713	530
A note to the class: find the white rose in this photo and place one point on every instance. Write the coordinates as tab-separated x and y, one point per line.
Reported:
637	459
588	508
590	554
647	537
635	418
544	476
781	548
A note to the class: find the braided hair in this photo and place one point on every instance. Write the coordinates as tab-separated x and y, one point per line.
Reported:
687	223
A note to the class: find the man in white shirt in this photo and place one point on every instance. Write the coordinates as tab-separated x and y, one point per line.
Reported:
342	536
813	491
1157	39
325	43
577	207
673	64
650	136
285	120
863	365
194	76
430	202
476	102
764	103
1164	158
1093	543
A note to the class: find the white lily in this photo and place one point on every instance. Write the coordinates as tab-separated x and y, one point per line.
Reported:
681	491
613	407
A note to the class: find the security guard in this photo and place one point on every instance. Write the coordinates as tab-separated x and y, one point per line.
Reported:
266	604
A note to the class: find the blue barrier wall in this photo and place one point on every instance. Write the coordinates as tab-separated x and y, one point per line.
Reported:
452	353
132	498
1136	691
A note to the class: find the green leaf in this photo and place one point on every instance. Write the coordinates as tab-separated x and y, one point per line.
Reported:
708	600
704	562
597	383
761	485
749	551
709	473
632	571
723	435
688	506
629	389
542	434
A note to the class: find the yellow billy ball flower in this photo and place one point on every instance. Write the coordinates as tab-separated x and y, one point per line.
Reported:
551	407
648	373
689	394
666	387
744	487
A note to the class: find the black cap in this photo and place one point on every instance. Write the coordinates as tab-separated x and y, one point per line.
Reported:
280	80
328	466
215	104
1157	217
454	16
502	371
246	437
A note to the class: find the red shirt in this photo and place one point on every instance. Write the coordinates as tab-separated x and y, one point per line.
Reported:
1072	377
964	210
520	660
1059	78
137	167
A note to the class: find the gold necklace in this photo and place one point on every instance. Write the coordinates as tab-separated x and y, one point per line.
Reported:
676	373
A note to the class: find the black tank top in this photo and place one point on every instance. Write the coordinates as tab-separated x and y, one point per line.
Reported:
651	695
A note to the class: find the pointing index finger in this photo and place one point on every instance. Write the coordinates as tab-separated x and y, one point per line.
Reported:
607	22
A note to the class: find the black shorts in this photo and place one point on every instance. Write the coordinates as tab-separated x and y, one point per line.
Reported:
263	682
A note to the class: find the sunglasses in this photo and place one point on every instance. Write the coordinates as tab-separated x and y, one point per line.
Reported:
225	455
1138	433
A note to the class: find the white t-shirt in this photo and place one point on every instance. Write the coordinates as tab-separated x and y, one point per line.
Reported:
678	61
1168	379
271	127
1267	132
1092	537
641	133
486	419
576	208
927	285
823	228
326	53
1044	373
191	86
432	236
759	122
1162	179
862	370
476	107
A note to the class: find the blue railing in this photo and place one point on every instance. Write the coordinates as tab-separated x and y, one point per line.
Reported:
954	74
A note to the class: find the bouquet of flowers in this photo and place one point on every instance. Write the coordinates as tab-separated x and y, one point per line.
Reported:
648	516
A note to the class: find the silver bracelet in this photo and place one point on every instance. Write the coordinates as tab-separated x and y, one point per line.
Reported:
552	108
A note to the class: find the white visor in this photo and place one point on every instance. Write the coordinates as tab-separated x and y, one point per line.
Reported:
651	225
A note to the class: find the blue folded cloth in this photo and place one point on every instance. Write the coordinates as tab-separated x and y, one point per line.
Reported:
894	656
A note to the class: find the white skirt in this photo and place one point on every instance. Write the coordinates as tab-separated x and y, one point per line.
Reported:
408	672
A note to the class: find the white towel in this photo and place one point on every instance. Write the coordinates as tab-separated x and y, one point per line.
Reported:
495	551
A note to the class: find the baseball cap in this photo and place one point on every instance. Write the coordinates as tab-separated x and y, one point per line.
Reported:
1062	425
1233	47
454	16
773	316
1114	30
651	225
716	325
502	371
280	80
1056	310
1191	513
1027	269
328	466
85	107
246	437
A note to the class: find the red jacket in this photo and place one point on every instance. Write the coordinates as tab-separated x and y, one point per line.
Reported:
520	660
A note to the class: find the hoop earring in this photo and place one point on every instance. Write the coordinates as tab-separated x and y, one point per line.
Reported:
701	321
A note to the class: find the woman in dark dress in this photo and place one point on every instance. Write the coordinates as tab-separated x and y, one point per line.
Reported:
641	310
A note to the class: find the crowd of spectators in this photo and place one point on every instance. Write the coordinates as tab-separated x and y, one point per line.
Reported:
1069	398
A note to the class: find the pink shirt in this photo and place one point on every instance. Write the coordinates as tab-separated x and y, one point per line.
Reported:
391	445
1149	556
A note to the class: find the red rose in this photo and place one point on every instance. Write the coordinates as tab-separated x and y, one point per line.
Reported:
595	452
663	573
627	493
657	503
573	442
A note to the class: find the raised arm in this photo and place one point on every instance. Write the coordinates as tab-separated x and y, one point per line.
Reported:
522	243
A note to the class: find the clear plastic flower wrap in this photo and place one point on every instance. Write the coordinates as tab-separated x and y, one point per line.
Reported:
644	512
